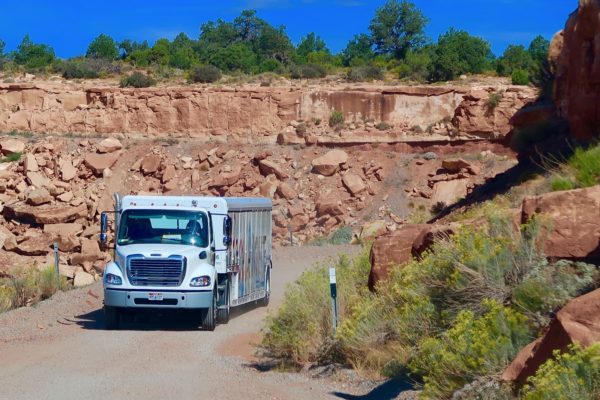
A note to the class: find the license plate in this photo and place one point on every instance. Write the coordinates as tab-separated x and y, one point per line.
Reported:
155	296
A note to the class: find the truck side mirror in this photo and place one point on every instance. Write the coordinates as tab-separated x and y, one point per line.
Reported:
227	225
226	231
103	229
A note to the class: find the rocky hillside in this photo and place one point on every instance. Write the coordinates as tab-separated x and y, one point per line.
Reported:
59	186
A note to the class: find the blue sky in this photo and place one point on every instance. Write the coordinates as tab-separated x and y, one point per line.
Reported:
69	26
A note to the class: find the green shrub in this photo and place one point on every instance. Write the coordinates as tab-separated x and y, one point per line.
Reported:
270	65
487	388
307	71
415	66
425	296
28	286
494	100
473	347
342	235
383	126
205	74
7	296
336	119
137	80
11	157
365	73
520	77
548	286
586	163
562	183
301	329
574	375
88	68
72	70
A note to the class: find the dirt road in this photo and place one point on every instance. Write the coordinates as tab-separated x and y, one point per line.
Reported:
59	350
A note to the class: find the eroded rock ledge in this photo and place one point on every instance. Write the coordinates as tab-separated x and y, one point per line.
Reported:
261	115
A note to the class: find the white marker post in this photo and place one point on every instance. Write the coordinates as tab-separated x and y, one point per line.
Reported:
333	290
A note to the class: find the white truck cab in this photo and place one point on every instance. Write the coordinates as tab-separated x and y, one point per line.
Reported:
187	252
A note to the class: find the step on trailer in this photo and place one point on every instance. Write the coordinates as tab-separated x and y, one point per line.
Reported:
187	252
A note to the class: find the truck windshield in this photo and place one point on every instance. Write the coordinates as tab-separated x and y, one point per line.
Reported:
163	226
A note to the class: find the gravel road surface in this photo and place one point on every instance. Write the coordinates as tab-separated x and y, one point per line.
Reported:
59	350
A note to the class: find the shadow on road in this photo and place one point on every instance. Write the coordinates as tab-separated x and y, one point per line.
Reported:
154	319
388	390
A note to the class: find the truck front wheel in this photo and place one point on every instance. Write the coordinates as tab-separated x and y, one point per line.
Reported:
209	315
112	317
223	312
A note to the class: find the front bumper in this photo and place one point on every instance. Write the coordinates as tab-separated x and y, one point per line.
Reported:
125	298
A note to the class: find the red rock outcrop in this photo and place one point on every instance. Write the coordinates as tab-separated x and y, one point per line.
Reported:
394	248
577	322
571	220
487	112
259	115
575	57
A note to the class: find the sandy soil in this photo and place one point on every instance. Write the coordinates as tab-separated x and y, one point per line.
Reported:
59	350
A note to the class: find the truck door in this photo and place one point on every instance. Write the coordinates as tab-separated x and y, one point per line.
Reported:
218	223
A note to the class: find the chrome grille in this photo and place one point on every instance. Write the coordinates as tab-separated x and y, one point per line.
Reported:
156	272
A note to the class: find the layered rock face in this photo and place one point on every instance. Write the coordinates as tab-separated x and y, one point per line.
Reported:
575	58
260	115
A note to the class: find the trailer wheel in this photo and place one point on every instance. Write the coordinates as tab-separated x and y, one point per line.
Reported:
112	318
223	312
264	302
209	315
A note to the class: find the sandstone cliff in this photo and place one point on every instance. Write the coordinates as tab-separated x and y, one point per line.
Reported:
575	58
260	115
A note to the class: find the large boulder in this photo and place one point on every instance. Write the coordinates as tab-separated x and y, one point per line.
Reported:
150	164
448	192
328	204
571	221
46	214
30	163
90	252
67	170
575	59
225	179
577	322
394	248
38	197
454	165
268	167
354	184
63	229
329	163
109	145
286	191
11	146
99	162
8	240
82	279
35	245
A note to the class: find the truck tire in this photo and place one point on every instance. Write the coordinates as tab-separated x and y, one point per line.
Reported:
223	312
112	318
264	302
209	315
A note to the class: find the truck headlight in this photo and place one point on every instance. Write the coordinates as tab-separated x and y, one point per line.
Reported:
111	279
200	281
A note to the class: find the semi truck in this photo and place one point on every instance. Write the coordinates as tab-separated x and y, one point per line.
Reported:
201	254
